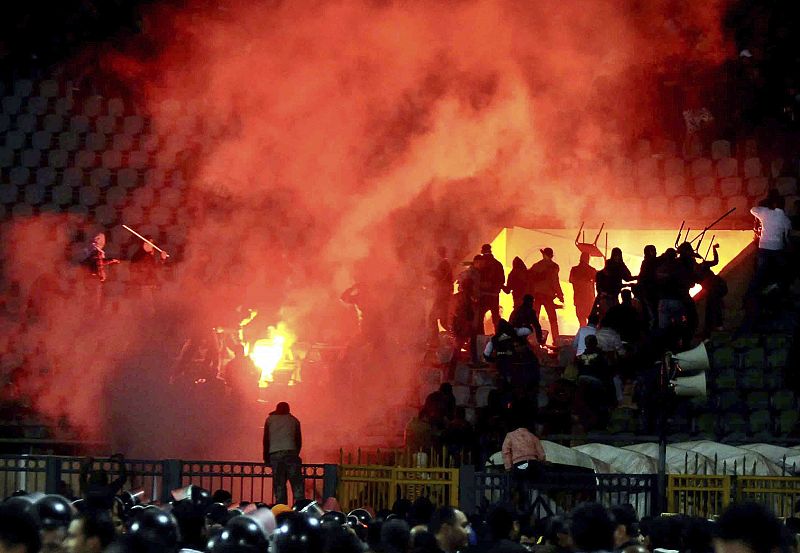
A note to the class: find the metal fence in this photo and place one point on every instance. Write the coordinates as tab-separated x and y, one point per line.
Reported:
558	492
380	486
157	478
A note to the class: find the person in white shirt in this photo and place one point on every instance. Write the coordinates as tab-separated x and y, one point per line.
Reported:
579	343
772	241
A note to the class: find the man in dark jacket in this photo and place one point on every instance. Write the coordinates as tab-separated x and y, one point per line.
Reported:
282	443
546	288
493	278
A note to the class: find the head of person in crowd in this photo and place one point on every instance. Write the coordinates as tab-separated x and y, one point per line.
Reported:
547	253
501	524
421	511
341	540
750	528
423	541
90	532
451	528
593	320
402	507
395	536
698	536
650	251
616	256
626	297
155	526
486	249
222	496
663	532
557	534
55	514
585	258
592	345
297	533
627	529
19	531
592	528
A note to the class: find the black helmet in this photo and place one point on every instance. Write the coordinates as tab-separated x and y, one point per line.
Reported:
157	525
241	535
333	518
217	513
362	515
297	533
199	497
54	511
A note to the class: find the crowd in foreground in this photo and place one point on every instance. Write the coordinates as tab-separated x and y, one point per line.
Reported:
201	521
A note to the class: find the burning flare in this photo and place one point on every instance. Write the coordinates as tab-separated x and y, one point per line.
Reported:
268	353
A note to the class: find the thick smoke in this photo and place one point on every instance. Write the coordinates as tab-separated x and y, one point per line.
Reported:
328	143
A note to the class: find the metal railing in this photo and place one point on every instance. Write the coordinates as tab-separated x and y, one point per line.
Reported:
247	481
380	486
558	492
778	493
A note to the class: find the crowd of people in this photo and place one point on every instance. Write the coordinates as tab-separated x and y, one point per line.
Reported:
197	520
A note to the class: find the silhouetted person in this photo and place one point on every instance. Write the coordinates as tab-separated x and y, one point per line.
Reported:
518	284
750	528
592	528
145	263
715	289
283	441
596	394
609	282
442	277
96	486
582	277
688	276
524	316
546	288
589	329
625	319
646	288
772	241
493	278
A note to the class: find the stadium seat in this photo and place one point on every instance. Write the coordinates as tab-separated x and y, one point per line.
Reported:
786	421
53	123
776	166
105	215
23	88
72	176
482	396
122	142
5	122
92	106
11	105
624	187
682	207
127	178
710	207
138	159
41	140
783	400
665	148
622	167
144	196
62	195
45	176
760	423
112	159
116	196
701	167
773	380
149	143
6	156
31	158
727	167
62	106
89	195
647	168
8	193
106	124
85	159
706	425
757	186
750	148
757	400
57	159
786	186
462	394
79	123
170	197
19	176
734	424
48	89
69	141
160	215
100	177
730	186
36	105
675	185
656	205
116	107
25	122
643	149
751	379
132	215
15	140
778	359
728	400
752	167
21	210
95	141
753	358
34	194
674	167
777	341
154	177
133	125
740	203
649	187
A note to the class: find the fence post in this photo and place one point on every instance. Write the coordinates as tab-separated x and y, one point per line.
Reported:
171	478
52	474
466	489
330	476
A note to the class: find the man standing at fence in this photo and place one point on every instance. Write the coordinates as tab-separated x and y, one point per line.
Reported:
282	443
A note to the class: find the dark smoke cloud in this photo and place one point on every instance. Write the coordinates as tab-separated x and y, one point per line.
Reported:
335	142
